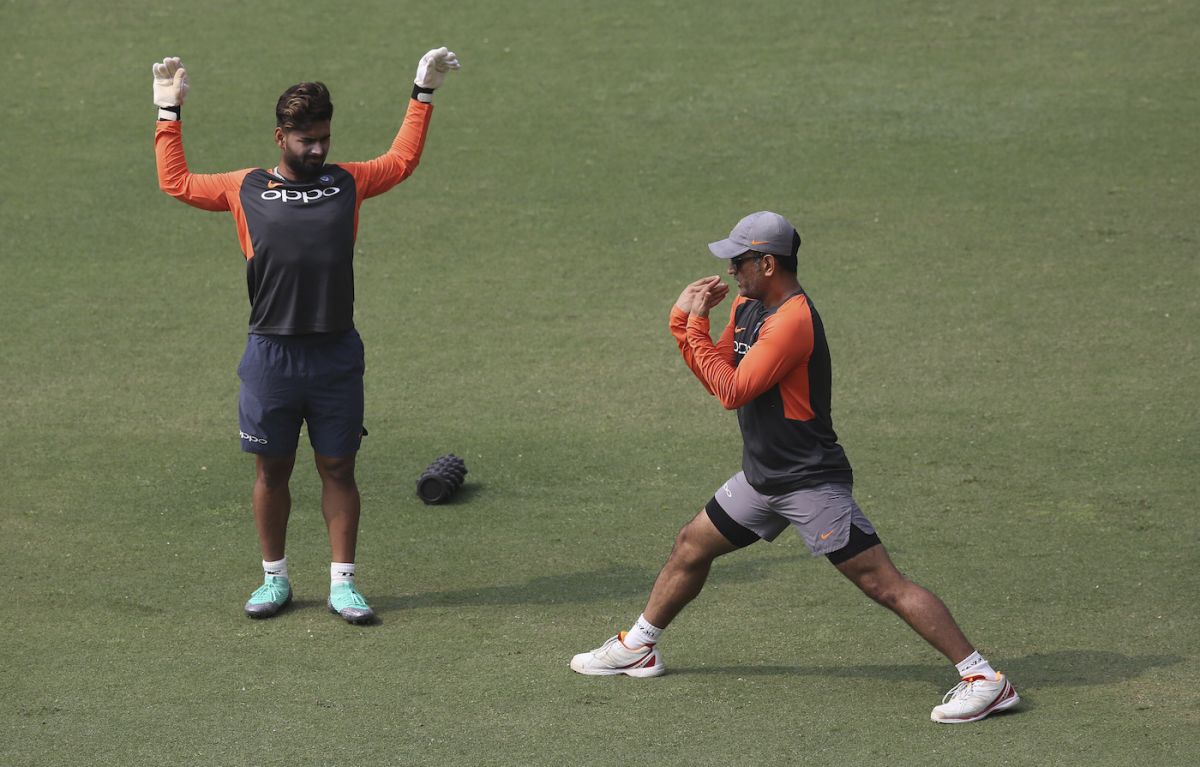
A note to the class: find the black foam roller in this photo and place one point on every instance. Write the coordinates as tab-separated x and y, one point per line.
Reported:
442	479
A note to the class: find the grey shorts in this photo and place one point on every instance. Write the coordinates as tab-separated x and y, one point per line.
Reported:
822	515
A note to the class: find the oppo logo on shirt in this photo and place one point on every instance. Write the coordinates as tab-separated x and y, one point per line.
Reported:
305	197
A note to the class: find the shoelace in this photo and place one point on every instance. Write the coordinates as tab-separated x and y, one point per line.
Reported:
960	690
356	600
267	591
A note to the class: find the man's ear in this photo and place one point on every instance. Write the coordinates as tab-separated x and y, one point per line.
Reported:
279	137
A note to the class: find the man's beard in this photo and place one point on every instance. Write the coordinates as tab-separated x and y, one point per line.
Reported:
303	166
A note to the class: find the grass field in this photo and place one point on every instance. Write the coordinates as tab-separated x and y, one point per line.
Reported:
999	208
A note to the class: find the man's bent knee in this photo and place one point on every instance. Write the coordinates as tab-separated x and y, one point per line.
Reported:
886	593
873	572
700	541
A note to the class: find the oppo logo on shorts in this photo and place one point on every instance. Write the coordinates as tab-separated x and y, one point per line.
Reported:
252	439
305	197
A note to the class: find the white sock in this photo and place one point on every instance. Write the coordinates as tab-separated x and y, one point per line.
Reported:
341	572
976	665
643	632
275	569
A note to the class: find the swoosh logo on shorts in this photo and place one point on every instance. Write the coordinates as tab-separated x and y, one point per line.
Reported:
826	535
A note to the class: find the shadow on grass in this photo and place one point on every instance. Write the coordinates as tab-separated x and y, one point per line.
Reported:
464	494
1061	668
570	588
303	605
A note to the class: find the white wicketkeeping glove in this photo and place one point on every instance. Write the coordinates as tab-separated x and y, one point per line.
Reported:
170	82
432	69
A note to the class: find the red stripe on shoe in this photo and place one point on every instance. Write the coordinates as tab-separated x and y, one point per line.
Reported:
637	662
1006	692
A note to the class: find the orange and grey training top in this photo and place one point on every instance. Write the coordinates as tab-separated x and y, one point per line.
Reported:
773	366
298	238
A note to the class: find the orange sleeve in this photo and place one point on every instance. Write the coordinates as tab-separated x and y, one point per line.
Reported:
785	340
724	347
384	172
208	191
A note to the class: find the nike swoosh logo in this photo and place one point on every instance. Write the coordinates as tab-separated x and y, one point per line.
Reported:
759	242
826	535
273	184
738	330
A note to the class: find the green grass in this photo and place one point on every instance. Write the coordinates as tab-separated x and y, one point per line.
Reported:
998	204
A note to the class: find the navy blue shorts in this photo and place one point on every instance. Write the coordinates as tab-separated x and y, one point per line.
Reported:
316	379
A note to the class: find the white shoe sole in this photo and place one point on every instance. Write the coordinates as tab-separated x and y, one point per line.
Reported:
580	667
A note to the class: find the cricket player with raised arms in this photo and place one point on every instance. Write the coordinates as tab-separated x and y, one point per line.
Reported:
297	223
771	363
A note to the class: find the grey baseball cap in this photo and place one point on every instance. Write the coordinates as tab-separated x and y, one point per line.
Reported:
763	231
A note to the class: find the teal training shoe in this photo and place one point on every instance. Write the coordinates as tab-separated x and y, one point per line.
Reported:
269	598
345	600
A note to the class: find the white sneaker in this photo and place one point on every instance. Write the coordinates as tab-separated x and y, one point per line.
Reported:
613	657
974	698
